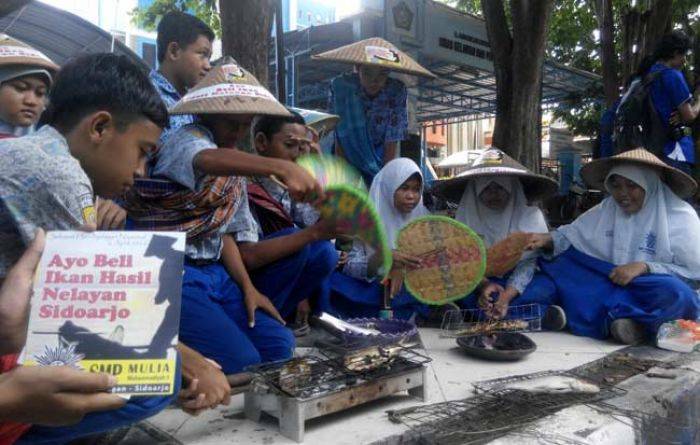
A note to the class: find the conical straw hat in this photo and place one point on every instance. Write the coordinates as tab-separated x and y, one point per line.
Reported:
318	120
375	52
229	89
595	172
494	162
16	52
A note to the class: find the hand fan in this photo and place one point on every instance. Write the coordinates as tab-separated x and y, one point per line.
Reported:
453	259
347	203
503	256
331	170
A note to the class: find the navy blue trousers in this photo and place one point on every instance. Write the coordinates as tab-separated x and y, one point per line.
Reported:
592	302
352	298
214	319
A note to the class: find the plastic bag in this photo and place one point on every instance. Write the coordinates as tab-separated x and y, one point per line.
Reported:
679	335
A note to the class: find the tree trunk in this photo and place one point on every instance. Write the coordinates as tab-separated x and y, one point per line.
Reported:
518	59
501	44
604	15
245	33
642	27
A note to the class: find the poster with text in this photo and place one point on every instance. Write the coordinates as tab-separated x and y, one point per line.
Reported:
109	302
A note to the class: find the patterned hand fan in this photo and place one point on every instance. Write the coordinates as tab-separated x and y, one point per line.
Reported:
347	203
453	259
331	170
503	256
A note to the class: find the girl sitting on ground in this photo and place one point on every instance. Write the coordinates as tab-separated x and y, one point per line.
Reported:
494	204
627	265
397	193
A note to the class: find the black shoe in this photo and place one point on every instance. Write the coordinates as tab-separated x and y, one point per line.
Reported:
627	331
554	318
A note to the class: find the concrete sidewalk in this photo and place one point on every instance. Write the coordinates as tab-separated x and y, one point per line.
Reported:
449	377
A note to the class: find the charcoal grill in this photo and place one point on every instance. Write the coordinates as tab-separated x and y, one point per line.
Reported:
315	385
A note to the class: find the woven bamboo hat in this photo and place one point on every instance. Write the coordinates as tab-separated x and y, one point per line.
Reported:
595	172
494	162
229	89
16	52
375	52
318	120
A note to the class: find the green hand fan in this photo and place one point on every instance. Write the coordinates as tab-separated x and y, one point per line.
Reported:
330	170
347	203
453	259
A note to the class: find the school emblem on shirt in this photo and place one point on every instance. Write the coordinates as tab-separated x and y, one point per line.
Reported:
381	55
649	243
233	72
87	207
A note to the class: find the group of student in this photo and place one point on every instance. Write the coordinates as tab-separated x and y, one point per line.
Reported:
119	149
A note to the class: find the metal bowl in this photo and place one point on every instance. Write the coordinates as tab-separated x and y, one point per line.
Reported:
388	331
502	346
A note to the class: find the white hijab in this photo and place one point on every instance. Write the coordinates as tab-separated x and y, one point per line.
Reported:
494	225
384	185
665	230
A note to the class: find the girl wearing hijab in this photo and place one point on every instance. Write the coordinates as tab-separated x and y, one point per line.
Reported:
627	265
494	205
397	193
25	77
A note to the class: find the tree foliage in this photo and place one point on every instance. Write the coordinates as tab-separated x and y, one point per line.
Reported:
206	10
242	25
573	40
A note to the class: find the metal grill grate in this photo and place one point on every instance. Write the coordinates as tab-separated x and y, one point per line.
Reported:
335	368
495	411
467	322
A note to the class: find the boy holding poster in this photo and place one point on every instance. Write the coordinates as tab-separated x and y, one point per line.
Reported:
104	118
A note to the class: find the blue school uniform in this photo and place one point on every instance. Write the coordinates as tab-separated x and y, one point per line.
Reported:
368	123
170	97
663	234
592	302
289	280
42	185
214	320
668	92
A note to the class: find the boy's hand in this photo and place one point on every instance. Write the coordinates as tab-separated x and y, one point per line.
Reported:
301	185
54	396
110	216
255	300
15	292
191	400
623	275
208	389
326	229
